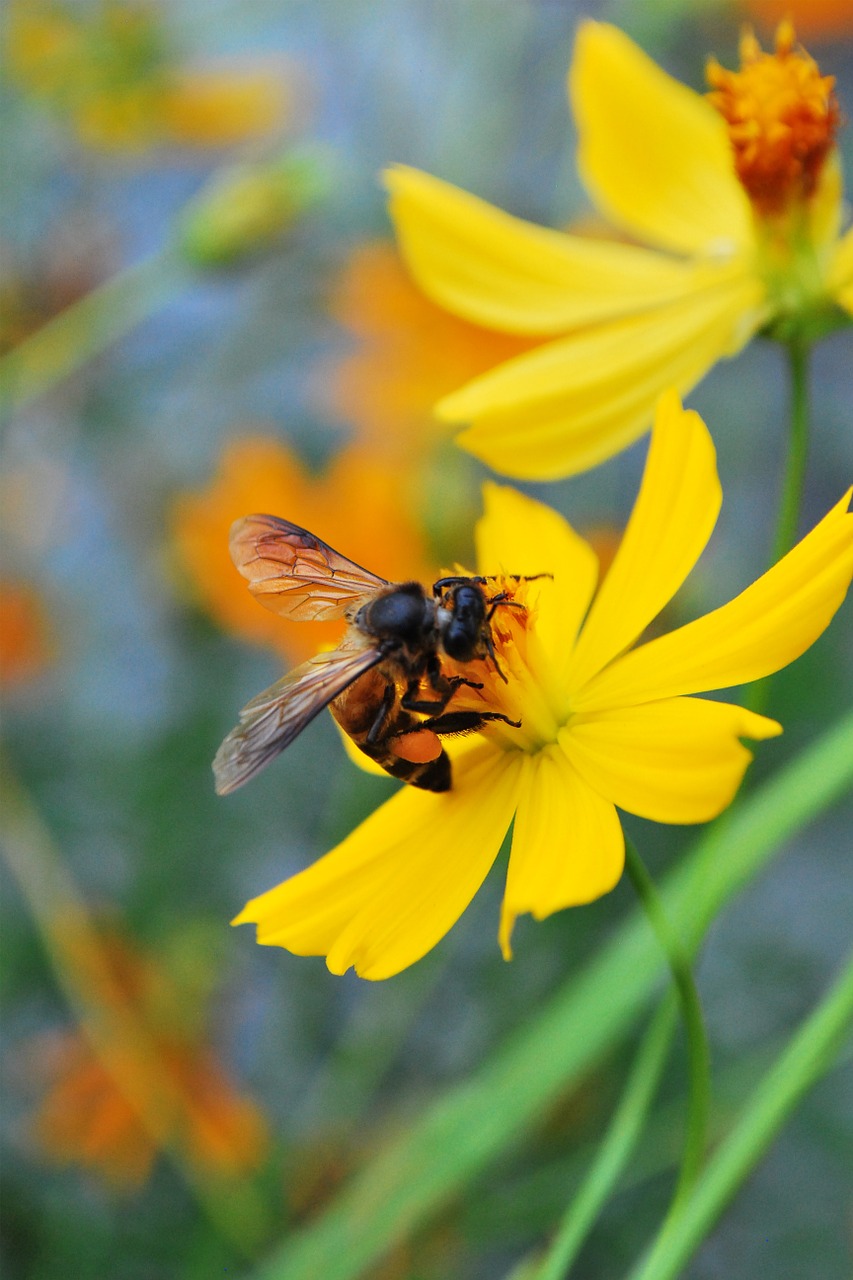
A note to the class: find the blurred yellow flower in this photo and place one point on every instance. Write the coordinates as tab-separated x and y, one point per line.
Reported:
744	245
360	502
26	642
408	352
603	724
106	70
90	1114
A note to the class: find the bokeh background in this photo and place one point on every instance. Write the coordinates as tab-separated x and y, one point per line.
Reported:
259	347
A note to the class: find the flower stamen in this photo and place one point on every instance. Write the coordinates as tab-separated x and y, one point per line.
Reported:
523	692
782	116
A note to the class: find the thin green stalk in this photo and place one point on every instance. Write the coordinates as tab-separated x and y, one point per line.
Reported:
615	1150
810	1054
699	1058
795	466
791	498
87	327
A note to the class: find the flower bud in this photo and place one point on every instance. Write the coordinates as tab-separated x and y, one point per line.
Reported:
247	207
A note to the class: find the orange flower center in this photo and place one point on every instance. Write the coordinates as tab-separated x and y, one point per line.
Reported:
526	689
782	116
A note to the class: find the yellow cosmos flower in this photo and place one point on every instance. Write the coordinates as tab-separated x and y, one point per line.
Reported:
738	242
602	724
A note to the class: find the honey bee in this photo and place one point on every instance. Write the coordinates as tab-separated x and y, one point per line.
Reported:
384	684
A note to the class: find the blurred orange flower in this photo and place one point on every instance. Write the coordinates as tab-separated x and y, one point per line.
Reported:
814	19
25	642
363	506
409	352
106	69
91	1114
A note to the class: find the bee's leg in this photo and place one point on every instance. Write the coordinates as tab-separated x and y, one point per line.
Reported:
381	716
454	581
438	681
423	705
465	721
462	682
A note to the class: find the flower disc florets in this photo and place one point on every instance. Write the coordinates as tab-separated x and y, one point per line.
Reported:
782	116
519	684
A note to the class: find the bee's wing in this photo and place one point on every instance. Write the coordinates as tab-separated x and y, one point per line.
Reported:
295	574
273	719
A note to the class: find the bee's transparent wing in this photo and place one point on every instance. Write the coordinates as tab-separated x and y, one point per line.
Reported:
271	721
293	573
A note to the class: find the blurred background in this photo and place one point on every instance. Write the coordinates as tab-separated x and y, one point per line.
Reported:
206	175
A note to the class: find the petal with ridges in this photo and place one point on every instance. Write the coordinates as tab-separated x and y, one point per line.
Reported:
567	843
678	761
672	520
395	886
654	155
763	629
504	273
517	534
575	402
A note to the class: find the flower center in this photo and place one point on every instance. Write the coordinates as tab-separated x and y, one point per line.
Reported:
782	116
529	691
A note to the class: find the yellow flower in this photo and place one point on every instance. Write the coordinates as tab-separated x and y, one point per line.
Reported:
604	724
625	321
359	502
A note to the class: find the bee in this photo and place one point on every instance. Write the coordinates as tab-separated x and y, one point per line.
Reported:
384	684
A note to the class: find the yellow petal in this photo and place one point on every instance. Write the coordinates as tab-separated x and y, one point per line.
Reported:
826	206
840	280
672	520
764	628
503	273
397	884
653	154
573	403
519	535
674	761
567	844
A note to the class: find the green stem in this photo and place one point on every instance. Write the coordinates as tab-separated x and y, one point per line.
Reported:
810	1054
757	697
87	327
615	1150
699	1058
795	467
